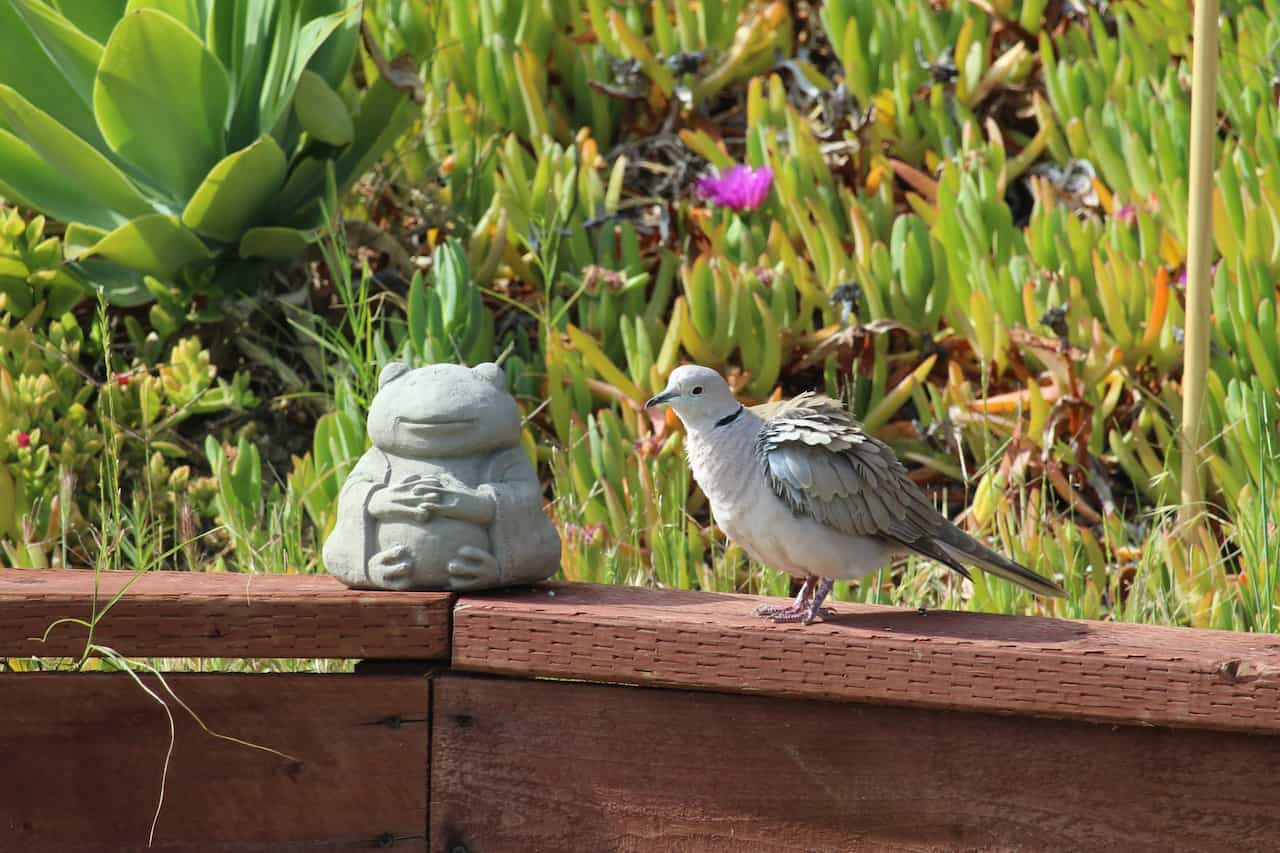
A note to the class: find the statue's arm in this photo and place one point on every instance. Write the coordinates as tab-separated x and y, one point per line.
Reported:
525	542
347	550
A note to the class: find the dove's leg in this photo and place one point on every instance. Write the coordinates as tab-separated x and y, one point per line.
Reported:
815	607
809	611
797	608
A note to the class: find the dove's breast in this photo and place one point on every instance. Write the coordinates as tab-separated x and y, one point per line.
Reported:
730	474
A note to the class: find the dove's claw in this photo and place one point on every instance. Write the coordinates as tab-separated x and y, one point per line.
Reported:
792	613
776	610
806	608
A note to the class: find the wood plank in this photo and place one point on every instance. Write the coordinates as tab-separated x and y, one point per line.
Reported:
1096	671
195	614
535	765
83	755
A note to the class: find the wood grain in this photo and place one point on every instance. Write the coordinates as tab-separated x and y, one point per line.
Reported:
194	614
533	765
1097	671
83	756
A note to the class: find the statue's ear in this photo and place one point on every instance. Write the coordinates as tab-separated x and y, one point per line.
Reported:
391	373
491	373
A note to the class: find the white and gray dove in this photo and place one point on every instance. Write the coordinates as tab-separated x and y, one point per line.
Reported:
802	488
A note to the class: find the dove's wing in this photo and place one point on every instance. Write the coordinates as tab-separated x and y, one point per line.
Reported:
818	460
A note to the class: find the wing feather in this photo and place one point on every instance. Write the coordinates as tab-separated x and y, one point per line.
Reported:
819	461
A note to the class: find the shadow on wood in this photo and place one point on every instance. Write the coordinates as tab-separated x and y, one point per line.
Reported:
535	765
83	757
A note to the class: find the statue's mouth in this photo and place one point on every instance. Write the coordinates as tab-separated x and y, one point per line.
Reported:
427	426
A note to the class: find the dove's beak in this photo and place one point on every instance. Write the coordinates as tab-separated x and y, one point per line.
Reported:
660	399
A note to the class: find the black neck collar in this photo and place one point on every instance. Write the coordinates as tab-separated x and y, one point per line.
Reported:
728	419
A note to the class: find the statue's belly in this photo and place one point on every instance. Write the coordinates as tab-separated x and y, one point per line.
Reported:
432	545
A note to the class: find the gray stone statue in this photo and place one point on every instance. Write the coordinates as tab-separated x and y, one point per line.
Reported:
445	499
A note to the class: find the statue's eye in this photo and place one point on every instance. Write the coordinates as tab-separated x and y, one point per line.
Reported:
697	389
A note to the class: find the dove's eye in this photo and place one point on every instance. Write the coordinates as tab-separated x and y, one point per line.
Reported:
697	389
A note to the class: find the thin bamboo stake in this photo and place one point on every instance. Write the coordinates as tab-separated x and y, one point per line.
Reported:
1204	79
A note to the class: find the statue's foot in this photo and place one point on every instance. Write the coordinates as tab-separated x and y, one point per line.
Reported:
392	569
473	569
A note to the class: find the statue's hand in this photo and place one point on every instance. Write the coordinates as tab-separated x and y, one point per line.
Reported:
403	501
472	569
450	496
392	568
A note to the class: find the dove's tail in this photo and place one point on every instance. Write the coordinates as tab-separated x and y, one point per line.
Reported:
966	549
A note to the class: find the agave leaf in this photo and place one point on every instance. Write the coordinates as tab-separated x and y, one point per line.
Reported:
239	35
291	51
233	194
155	244
121	287
275	243
96	19
332	59
385	114
151	61
189	13
47	60
54	170
321	111
80	239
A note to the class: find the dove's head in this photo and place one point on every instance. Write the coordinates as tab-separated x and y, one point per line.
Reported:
699	395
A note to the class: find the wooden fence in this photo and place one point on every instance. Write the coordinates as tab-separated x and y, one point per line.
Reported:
574	717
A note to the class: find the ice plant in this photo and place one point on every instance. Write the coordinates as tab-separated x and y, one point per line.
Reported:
737	188
24	439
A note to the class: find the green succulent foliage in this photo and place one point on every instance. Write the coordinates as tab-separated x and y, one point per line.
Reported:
57	421
32	275
178	139
448	321
317	477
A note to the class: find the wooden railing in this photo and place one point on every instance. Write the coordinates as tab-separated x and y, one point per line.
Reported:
577	717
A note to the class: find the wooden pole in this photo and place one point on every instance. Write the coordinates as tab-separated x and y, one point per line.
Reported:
1204	71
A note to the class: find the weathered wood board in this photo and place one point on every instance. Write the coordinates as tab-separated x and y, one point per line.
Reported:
83	757
1099	671
523	766
197	614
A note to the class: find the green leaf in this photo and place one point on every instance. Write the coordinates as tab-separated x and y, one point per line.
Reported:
229	200
155	244
95	19
301	191
121	287
80	238
152	62
332	60
45	60
292	49
186	12
74	54
42	162
274	243
240	36
385	114
321	111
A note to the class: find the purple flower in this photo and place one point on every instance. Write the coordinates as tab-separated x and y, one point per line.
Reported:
1128	214
739	188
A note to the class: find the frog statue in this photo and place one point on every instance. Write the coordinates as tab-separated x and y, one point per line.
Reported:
445	499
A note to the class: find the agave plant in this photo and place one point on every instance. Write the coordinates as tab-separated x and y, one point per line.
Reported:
177	139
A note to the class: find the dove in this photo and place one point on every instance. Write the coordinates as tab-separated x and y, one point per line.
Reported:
802	488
